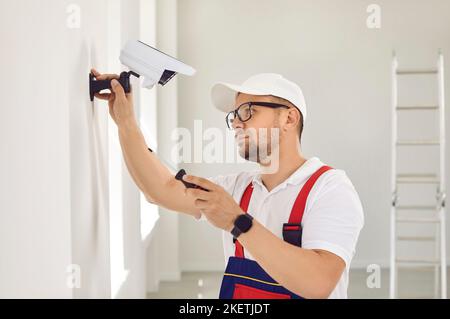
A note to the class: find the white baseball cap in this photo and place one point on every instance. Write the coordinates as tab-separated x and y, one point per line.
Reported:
223	94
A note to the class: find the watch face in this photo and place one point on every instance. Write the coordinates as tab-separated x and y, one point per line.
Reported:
244	222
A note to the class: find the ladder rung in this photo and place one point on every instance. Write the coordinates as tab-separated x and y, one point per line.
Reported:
417	220
415	207
416	238
417	107
407	261
417	261
417	179
416	71
416	267
417	175
418	142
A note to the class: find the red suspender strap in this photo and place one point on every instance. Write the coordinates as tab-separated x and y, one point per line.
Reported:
292	230
245	200
300	203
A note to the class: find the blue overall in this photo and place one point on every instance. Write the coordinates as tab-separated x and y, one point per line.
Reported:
245	278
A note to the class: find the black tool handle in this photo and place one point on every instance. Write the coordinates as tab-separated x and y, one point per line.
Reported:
179	177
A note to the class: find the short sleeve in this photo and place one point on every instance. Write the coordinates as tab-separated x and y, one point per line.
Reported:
334	218
228	182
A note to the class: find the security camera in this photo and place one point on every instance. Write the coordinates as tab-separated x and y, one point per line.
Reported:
146	61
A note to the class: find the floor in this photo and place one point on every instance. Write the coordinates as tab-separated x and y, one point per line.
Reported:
412	284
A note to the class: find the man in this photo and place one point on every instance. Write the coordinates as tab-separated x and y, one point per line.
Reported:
289	232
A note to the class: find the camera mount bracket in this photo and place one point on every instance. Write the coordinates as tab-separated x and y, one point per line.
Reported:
95	86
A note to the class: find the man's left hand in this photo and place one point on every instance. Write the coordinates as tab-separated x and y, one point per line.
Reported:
216	204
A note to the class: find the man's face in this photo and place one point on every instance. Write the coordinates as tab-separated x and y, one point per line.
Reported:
257	137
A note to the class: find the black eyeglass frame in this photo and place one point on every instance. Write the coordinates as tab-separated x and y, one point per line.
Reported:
250	104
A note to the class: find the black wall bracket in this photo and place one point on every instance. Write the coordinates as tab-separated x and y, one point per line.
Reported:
95	86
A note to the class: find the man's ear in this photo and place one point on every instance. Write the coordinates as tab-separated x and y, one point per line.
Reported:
293	118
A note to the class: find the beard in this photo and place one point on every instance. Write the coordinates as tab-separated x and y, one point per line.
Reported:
259	148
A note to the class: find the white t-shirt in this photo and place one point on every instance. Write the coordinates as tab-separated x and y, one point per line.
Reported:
332	219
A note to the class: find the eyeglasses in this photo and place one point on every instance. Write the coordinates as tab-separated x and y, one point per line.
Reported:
244	111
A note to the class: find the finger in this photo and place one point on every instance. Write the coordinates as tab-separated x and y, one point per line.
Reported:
95	72
200	181
118	89
198	193
103	96
100	76
107	76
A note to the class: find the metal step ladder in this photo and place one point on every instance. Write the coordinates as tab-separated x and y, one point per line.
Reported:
439	262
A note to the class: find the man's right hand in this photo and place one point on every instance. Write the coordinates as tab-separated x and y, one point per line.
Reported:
120	103
152	177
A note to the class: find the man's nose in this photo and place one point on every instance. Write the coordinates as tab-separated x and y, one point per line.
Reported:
237	123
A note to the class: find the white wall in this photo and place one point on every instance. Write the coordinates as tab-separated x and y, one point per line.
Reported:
53	185
134	285
344	70
167	118
88	154
65	194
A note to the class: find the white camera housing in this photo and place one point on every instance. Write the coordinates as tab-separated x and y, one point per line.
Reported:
153	65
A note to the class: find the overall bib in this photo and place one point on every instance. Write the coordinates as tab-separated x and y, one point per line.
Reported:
245	278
